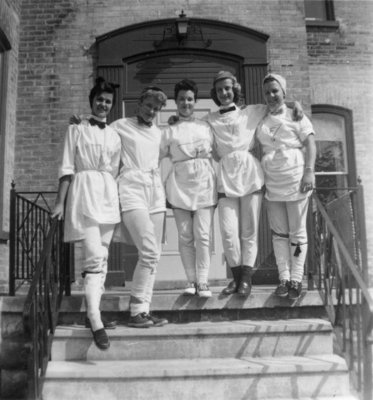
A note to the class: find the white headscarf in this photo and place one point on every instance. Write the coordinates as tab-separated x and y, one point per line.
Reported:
279	79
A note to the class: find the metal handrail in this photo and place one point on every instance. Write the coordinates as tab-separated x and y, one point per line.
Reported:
350	263
343	283
29	225
41	308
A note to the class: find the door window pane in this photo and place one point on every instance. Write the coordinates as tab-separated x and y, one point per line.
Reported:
331	143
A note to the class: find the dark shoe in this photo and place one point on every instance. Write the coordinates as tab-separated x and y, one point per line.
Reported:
295	289
107	324
244	288
231	288
283	288
140	321
101	339
157	321
233	285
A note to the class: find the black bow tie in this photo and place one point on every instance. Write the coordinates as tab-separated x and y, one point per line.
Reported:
141	121
278	111
100	124
225	110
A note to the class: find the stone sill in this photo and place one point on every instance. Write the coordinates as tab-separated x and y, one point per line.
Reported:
312	25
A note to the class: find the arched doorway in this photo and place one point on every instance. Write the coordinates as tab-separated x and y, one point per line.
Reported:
152	54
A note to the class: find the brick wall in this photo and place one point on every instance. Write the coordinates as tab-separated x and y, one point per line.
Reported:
341	74
9	23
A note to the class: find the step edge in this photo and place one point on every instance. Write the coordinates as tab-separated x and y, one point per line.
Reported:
239	327
249	366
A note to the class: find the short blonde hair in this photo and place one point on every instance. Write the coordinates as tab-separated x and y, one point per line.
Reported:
221	75
154	92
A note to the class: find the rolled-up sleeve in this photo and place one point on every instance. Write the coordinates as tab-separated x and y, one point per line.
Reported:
305	128
68	158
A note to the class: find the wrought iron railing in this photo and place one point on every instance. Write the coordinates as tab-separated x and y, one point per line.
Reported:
340	272
41	309
41	262
29	226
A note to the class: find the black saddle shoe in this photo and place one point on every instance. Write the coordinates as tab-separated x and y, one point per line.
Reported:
101	339
231	288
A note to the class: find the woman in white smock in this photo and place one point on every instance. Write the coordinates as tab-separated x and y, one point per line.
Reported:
239	178
87	178
142	200
288	163
191	187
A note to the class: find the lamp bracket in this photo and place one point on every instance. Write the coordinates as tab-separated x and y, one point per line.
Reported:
192	32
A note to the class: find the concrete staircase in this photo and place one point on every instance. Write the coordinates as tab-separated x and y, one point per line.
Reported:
219	348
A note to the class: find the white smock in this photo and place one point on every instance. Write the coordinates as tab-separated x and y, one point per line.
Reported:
191	183
239	172
140	184
91	155
283	160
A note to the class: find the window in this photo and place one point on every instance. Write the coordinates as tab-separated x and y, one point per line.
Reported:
320	13
4	47
319	10
335	159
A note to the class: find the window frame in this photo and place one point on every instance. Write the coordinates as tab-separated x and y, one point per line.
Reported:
346	114
329	22
4	67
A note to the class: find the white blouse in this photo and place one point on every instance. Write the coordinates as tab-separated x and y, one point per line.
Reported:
91	155
283	160
191	183
239	172
140	184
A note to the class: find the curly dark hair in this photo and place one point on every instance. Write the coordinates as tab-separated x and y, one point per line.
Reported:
101	86
186	84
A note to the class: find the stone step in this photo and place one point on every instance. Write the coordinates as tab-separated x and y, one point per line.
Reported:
189	379
163	300
262	303
242	338
347	397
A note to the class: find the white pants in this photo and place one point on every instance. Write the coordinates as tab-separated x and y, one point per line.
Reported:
194	229
239	224
95	247
146	232
288	222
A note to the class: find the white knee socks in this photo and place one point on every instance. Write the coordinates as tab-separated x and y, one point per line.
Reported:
298	258
93	290
282	254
